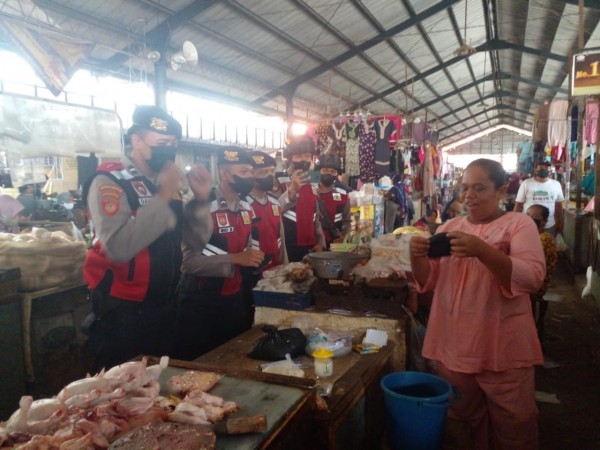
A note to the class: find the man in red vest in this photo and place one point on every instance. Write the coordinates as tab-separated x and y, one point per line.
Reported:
302	227
267	228
334	204
211	308
133	267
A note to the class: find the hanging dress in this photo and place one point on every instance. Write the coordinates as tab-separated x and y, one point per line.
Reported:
352	167
384	129
366	152
337	132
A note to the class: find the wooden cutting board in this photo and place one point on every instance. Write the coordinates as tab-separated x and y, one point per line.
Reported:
253	397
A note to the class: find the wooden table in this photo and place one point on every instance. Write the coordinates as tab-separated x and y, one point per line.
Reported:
355	411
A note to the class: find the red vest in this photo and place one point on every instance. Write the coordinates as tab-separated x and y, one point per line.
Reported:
334	204
266	228
154	270
231	232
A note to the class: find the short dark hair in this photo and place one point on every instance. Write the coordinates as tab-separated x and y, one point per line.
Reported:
494	170
545	211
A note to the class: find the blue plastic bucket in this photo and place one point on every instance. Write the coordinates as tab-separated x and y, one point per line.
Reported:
416	405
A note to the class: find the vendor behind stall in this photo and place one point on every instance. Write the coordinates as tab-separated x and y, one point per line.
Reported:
133	267
211	308
303	232
333	202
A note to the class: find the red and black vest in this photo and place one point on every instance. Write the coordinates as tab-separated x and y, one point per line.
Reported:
231	233
298	224
266	228
334	203
153	273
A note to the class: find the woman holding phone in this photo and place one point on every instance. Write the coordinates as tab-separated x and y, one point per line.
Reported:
481	331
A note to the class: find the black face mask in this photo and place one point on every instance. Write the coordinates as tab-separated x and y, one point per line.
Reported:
327	179
265	184
542	173
242	186
159	156
302	165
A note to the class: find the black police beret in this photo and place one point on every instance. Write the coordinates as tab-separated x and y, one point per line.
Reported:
153	118
329	160
231	155
261	160
299	145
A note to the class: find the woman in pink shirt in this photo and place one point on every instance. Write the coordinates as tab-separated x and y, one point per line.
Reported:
481	330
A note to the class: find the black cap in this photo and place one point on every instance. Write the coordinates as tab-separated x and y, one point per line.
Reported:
329	160
231	155
153	118
298	146
260	160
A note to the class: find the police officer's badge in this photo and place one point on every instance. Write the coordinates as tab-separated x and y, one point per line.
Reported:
337	197
246	218
275	210
258	159
158	124
231	155
222	219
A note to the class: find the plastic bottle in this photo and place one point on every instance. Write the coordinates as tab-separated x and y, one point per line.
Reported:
323	362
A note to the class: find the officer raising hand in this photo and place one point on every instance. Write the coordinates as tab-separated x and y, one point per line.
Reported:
133	267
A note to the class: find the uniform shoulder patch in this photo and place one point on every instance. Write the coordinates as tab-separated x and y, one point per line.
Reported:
110	198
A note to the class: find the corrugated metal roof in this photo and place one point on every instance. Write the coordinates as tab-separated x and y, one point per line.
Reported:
385	55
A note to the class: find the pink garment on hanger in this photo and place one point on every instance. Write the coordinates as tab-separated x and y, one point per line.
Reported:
590	123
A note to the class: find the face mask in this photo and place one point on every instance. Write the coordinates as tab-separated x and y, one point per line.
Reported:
327	179
265	184
406	182
68	206
242	186
160	155
302	165
542	173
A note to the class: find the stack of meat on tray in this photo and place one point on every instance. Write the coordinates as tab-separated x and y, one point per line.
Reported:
122	409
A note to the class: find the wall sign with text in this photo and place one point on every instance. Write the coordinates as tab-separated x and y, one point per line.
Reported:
585	75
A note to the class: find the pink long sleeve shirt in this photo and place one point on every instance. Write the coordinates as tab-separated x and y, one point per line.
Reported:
475	323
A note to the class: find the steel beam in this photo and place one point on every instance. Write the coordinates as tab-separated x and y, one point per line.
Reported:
440	6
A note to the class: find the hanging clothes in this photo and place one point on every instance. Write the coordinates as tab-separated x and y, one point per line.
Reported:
432	135
383	128
541	123
428	173
574	119
558	124
418	132
352	167
406	130
590	123
366	151
323	139
337	133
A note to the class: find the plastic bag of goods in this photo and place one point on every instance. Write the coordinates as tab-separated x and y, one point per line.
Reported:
46	259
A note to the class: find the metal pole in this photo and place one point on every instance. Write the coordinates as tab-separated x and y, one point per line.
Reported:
581	106
160	84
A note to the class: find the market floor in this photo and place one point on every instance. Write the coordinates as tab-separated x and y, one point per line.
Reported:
568	387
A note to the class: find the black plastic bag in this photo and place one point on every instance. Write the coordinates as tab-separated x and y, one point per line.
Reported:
277	343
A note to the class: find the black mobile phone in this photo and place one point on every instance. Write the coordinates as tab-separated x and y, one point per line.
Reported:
439	245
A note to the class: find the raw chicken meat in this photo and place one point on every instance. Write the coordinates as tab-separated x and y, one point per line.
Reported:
193	380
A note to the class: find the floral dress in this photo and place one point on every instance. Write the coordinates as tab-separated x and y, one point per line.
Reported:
366	152
352	150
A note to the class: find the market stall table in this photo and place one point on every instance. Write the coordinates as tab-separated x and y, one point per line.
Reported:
53	343
354	414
